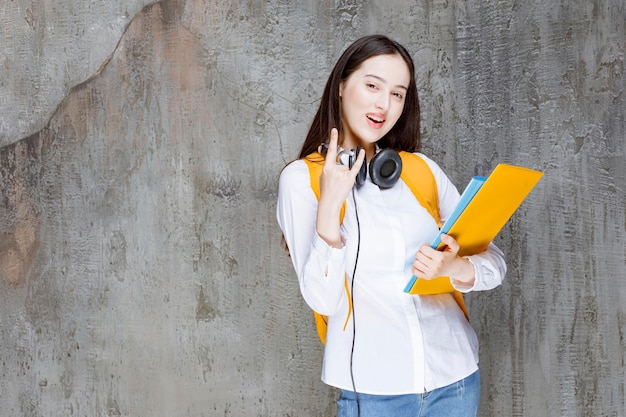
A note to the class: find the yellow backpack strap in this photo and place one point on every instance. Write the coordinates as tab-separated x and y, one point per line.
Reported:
418	176
315	162
321	321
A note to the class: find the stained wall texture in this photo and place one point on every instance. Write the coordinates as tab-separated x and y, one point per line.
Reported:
141	269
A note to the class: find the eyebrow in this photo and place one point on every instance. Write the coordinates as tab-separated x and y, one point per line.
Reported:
385	81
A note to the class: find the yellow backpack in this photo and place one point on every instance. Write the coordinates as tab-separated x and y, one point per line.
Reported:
417	175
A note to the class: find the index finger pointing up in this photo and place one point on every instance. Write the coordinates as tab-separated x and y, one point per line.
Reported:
331	154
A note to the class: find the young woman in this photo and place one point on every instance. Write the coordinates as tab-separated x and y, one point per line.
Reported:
390	353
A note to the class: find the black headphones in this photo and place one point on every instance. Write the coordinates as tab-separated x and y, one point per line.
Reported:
384	168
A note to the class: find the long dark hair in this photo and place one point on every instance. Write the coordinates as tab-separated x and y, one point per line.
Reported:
405	135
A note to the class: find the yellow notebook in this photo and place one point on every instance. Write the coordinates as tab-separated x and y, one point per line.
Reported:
488	211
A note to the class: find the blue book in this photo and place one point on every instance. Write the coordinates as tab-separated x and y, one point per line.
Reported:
467	196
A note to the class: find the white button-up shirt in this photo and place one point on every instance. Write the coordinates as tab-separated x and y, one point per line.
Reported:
404	343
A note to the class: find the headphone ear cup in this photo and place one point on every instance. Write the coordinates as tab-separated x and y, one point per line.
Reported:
362	175
385	168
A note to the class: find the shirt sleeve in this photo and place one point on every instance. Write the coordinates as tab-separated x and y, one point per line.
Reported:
490	268
490	265
320	268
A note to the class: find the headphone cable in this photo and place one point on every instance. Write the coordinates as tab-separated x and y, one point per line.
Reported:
356	260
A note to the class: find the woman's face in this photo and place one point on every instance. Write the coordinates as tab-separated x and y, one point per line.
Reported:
372	99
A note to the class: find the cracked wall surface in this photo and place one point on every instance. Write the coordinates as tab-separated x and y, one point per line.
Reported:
141	267
46	48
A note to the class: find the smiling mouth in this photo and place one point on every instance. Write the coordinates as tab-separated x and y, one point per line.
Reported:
375	121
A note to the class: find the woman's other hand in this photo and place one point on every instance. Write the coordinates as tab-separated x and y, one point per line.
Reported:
430	263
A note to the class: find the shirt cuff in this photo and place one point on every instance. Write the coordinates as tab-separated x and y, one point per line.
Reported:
330	258
462	287
483	279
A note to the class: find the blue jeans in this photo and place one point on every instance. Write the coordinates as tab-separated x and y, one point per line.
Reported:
459	399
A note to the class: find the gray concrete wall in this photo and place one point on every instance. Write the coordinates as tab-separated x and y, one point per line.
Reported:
141	268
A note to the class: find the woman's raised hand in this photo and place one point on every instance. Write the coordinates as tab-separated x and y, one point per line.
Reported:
336	182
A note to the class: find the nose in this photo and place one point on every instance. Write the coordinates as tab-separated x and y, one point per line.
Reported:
382	102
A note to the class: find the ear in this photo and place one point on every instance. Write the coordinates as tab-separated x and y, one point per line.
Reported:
341	88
